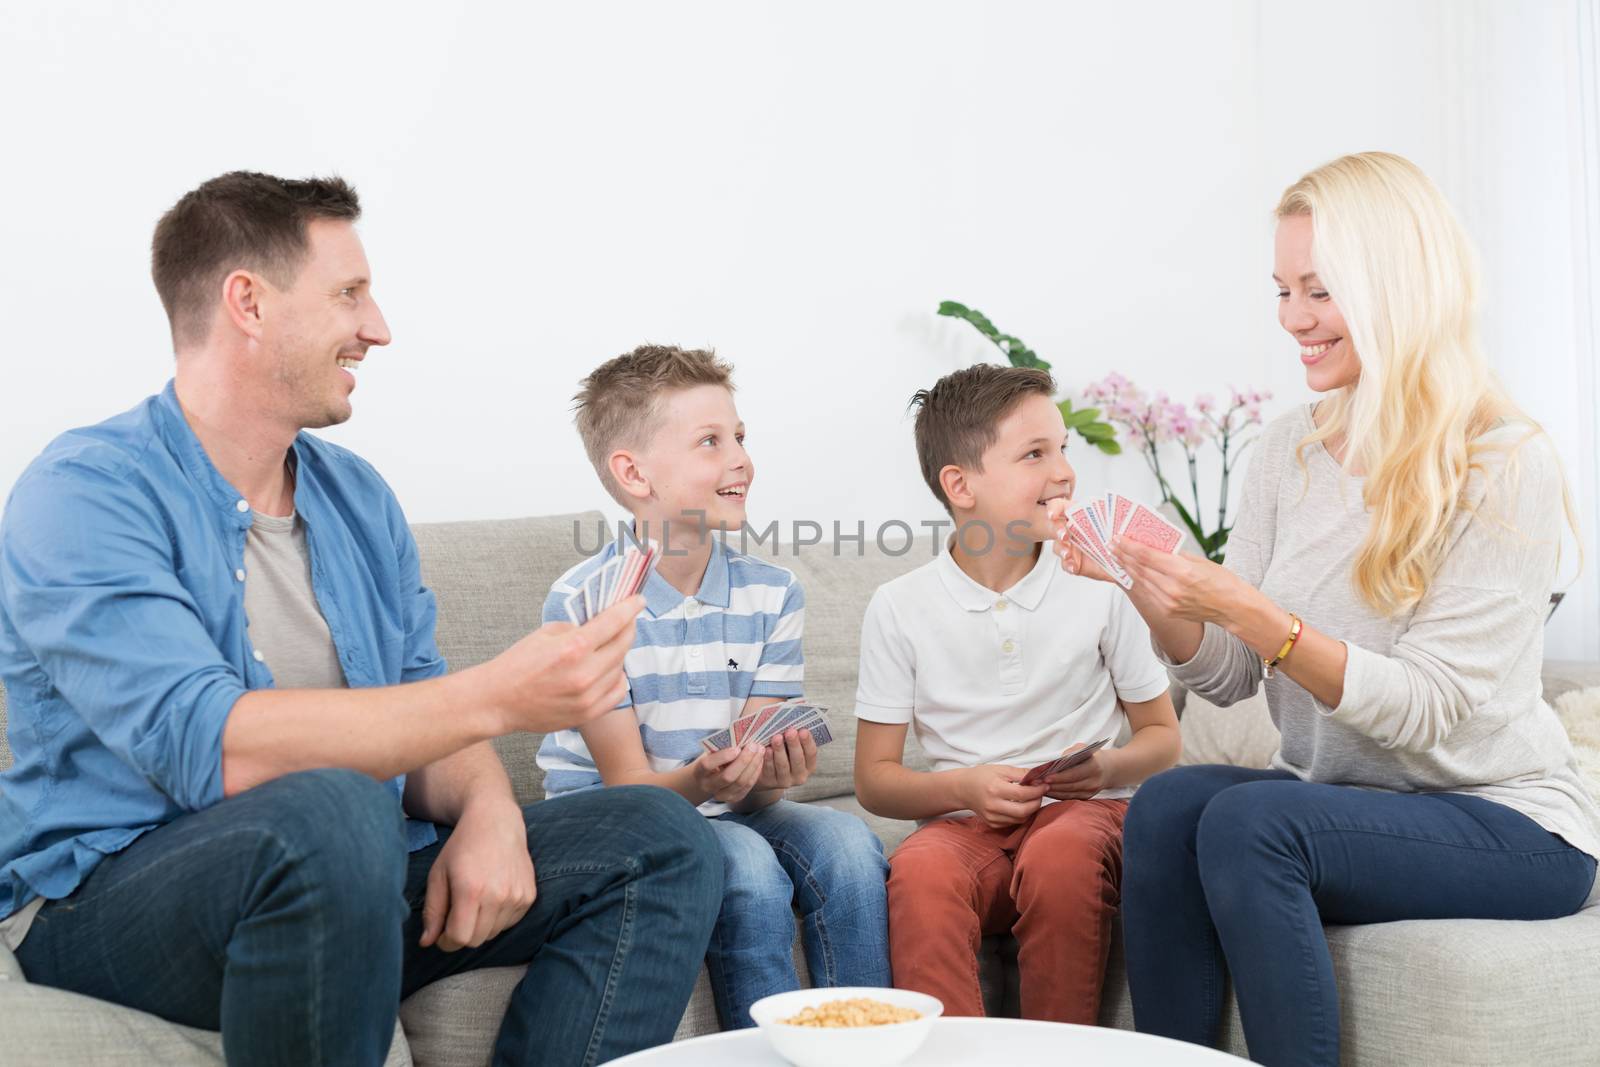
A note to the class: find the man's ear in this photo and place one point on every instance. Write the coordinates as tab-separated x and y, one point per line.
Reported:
241	301
625	472
953	480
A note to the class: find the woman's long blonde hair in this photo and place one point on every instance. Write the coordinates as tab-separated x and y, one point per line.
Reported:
1399	267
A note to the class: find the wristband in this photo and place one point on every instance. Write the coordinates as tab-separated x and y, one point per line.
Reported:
1268	666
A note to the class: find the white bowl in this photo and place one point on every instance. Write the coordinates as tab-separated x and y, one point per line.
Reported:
844	1046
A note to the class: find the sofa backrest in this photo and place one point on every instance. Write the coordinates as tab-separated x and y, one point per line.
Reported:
491	577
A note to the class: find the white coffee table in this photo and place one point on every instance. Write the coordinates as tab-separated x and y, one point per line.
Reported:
962	1043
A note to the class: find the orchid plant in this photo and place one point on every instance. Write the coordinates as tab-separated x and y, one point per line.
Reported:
1150	422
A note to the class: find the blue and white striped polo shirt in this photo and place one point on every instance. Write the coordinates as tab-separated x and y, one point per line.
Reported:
694	662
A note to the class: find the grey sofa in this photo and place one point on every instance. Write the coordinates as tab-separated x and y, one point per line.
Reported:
1413	993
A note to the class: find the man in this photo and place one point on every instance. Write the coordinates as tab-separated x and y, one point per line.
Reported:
247	796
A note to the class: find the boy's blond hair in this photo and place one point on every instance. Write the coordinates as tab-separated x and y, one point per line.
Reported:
619	404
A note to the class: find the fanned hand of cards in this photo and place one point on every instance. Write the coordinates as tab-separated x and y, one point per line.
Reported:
619	579
1092	525
762	725
1061	763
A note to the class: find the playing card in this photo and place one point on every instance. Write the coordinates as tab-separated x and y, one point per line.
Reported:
1102	513
819	731
756	734
1084	535
804	716
1061	763
1121	508
787	715
574	606
741	727
719	740
1148	528
1090	517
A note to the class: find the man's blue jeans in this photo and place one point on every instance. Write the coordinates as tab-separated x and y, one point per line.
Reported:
785	856
1234	871
287	917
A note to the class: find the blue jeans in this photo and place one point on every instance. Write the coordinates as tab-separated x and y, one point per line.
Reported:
1234	871
287	917
787	855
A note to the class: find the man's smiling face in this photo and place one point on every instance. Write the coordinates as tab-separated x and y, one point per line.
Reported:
318	329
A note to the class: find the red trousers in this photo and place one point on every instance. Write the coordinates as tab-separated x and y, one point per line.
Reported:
1054	882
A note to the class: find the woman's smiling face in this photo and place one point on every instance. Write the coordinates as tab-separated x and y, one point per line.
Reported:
1308	312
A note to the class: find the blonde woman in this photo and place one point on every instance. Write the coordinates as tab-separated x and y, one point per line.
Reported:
1387	584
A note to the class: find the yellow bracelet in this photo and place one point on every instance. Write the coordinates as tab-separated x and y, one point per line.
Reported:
1268	665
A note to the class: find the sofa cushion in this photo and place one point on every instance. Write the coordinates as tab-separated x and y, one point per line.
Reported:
46	1027
1241	736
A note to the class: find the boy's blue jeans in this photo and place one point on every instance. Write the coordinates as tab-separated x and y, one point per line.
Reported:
1230	871
287	917
787	855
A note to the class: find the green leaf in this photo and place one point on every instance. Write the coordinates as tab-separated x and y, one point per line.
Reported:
1019	354
1077	420
1110	448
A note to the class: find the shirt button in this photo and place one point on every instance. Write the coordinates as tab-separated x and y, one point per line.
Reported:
694	653
243	505
999	605
1008	647
239	574
259	658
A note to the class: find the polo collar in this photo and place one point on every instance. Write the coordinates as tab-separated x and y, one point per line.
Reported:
662	597
1027	593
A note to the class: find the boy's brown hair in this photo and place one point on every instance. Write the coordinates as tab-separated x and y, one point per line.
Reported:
619	404
959	418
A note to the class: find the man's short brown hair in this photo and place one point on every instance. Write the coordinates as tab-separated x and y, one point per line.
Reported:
959	418
239	220
619	404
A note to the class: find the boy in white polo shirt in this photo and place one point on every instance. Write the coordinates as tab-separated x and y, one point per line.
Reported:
719	636
1002	661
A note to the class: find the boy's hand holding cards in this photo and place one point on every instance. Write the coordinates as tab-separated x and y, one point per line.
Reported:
762	725
1090	527
619	579
1061	763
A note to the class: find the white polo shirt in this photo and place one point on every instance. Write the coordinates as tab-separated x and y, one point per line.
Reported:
1013	677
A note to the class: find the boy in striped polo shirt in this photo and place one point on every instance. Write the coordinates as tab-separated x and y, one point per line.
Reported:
719	636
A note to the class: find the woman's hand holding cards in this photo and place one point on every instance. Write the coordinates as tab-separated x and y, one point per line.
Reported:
788	760
728	774
995	793
1181	586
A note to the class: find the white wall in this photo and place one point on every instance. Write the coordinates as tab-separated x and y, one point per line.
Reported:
798	185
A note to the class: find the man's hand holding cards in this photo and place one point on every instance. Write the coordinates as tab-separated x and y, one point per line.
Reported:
1088	529
617	580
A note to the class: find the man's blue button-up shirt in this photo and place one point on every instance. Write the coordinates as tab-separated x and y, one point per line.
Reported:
123	639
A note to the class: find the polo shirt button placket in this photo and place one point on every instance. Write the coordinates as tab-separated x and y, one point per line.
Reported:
1008	623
